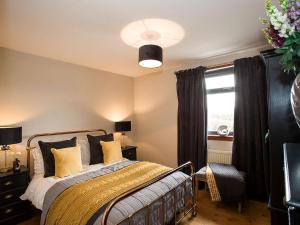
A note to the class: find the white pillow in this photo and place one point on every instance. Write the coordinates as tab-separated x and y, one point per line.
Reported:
38	162
85	151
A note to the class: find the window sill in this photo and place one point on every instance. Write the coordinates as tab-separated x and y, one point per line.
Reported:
219	138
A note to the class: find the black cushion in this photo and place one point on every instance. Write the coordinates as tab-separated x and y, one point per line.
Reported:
49	163
96	148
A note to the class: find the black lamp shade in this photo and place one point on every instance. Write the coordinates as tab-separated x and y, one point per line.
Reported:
150	56
123	126
10	135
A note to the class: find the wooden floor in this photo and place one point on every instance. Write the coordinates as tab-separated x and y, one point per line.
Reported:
210	213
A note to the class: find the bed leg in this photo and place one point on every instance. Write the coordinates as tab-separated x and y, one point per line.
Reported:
173	222
195	189
194	213
240	207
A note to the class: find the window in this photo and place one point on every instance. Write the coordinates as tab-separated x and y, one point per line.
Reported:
220	100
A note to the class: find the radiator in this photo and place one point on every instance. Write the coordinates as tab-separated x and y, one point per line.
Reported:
219	156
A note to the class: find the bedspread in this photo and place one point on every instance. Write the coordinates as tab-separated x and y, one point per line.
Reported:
83	199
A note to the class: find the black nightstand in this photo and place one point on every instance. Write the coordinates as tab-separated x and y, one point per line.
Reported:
12	185
129	152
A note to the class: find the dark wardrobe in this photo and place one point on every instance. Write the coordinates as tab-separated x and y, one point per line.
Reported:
282	129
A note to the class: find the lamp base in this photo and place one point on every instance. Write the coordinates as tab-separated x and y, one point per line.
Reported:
5	148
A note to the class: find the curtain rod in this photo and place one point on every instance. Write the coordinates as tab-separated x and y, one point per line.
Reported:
219	66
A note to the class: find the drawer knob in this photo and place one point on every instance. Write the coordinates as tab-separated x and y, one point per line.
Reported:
7	211
8	196
7	183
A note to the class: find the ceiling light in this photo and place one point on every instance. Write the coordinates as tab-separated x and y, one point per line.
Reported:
150	56
150	35
156	31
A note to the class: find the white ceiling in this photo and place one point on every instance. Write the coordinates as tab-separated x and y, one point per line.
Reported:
87	32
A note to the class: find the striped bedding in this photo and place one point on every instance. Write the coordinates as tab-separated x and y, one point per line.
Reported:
151	205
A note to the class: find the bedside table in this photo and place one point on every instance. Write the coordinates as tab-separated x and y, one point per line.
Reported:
129	152
12	185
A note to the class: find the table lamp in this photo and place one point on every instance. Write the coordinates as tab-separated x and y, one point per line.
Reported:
9	136
123	126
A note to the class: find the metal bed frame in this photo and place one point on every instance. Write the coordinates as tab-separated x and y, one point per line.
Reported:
186	211
130	192
30	139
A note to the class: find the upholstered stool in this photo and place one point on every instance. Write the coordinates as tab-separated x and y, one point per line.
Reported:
201	176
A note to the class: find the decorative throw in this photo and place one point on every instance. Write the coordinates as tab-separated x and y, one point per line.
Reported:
95	193
212	185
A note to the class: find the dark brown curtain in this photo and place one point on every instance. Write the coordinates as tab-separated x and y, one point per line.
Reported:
250	153
192	131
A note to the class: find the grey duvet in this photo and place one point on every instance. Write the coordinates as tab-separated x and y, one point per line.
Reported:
152	205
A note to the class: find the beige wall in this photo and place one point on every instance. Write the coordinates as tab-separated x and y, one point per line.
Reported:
45	95
155	106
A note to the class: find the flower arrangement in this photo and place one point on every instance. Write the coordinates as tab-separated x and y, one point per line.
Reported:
283	31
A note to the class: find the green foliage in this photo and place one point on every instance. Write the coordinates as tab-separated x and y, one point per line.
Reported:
264	21
284	4
291	53
268	6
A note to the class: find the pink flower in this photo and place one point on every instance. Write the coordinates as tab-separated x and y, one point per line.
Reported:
273	36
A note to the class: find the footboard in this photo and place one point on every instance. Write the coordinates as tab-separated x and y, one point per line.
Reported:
191	209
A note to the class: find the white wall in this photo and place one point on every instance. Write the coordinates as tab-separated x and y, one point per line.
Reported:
155	107
45	95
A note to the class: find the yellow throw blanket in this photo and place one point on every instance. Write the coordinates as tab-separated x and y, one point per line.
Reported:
212	185
77	204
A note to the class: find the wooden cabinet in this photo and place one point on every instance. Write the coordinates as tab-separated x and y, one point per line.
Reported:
282	129
129	152
12	185
292	181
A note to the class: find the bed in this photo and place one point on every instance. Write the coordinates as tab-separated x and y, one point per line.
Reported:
124	192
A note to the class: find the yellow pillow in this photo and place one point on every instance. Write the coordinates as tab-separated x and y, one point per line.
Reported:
67	161
112	151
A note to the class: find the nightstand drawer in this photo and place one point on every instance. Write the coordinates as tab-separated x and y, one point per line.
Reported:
11	196
13	209
129	153
13	182
15	219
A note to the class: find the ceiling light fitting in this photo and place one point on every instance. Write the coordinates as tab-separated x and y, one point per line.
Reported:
150	36
150	56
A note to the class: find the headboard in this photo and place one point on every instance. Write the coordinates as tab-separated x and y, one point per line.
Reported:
30	139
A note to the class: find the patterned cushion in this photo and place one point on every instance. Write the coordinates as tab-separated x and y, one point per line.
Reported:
201	174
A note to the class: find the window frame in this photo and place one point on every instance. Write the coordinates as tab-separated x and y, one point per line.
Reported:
213	135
